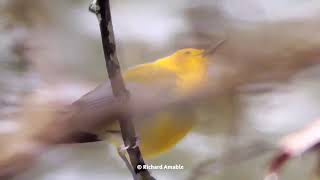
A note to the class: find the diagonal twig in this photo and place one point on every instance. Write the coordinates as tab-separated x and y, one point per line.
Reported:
102	10
294	145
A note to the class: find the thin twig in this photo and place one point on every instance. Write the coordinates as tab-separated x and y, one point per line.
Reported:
118	86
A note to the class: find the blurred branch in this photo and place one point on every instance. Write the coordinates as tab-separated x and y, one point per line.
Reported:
291	146
238	63
118	88
295	145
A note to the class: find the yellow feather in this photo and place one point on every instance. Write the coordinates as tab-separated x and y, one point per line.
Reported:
181	73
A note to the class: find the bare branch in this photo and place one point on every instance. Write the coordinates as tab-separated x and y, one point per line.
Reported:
118	87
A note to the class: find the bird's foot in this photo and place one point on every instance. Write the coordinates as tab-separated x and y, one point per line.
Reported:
122	154
133	146
137	143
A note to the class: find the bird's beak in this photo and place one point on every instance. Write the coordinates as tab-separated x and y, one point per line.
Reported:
212	49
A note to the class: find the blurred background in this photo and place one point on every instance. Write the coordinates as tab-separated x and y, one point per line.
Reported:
46	42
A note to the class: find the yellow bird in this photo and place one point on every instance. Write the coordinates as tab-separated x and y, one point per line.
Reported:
179	74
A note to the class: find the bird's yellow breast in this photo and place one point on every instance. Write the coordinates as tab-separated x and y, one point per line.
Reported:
180	74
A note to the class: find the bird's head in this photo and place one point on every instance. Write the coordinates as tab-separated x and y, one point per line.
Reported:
189	65
186	61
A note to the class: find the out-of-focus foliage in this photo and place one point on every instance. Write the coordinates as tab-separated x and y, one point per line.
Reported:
49	42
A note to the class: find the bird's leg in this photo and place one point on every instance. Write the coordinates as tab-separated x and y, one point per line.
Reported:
137	143
95	8
123	147
122	154
122	150
132	146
